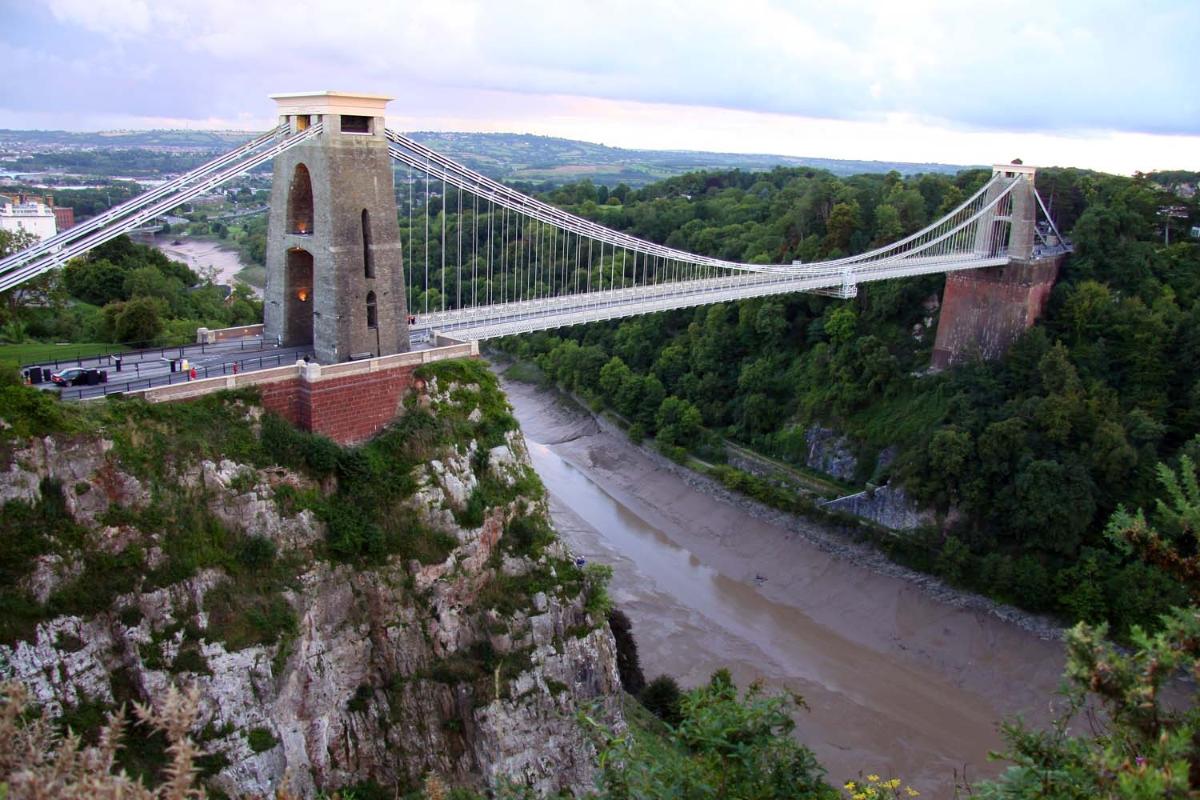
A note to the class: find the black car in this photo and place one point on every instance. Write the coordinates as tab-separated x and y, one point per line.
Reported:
73	376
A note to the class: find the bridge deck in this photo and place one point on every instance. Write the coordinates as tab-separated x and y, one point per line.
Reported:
505	319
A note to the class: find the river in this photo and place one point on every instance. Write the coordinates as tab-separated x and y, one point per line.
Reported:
206	257
898	680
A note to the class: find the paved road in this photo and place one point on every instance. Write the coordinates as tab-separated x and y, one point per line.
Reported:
141	369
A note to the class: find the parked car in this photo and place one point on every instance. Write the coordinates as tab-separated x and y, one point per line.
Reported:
72	376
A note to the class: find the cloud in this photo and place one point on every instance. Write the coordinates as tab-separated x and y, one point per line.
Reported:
1007	64
1074	67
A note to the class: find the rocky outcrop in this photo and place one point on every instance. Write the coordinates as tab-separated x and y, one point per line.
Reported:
888	506
829	452
388	672
245	499
85	466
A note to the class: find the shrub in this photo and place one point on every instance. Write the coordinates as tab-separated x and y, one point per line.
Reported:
256	552
595	584
661	698
261	739
362	696
953	560
629	665
34	757
528	536
242	614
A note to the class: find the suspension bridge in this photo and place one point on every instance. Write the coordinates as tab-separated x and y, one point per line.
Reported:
483	260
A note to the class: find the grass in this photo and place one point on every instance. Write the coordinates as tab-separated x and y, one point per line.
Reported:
902	420
151	438
253	275
18	355
806	479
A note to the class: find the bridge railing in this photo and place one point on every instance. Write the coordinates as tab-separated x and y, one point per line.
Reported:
310	372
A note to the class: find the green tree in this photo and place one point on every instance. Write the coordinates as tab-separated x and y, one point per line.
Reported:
841	324
139	320
662	697
1054	505
1150	745
678	422
888	227
843	222
949	451
96	281
725	747
613	377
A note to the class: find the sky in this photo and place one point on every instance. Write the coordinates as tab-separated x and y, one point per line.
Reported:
1105	85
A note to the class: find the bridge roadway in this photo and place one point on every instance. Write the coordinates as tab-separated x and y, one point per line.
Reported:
143	369
147	368
506	319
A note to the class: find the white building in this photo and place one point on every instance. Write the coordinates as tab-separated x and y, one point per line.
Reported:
36	218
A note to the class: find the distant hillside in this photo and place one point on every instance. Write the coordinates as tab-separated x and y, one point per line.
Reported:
216	141
527	157
505	156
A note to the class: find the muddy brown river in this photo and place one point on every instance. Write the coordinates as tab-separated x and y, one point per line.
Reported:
206	258
897	681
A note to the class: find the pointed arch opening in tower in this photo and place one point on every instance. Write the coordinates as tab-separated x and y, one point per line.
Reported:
300	202
298	298
372	311
368	254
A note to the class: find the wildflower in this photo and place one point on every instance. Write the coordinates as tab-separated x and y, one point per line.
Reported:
911	792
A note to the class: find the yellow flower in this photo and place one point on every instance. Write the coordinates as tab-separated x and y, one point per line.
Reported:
850	786
873	778
894	783
911	792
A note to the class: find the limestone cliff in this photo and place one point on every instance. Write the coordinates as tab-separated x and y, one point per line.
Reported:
374	615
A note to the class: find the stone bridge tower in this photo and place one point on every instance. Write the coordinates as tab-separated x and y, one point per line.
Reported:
335	280
985	310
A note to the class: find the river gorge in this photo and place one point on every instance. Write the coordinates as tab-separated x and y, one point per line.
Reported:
898	679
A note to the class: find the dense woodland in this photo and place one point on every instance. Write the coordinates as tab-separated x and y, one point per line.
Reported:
120	292
1025	457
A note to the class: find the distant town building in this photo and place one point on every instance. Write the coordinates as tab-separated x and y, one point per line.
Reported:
32	216
1196	231
64	217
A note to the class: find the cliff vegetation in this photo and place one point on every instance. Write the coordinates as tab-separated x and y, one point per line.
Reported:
356	619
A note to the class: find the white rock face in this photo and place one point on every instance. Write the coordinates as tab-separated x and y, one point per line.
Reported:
365	688
51	571
455	477
508	462
85	467
254	509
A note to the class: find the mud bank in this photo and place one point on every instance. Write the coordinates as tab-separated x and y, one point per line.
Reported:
205	257
902	676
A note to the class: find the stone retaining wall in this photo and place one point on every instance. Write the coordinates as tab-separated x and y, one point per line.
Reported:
347	402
